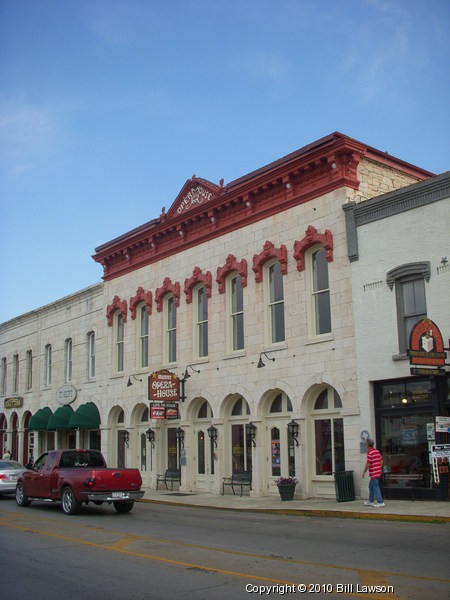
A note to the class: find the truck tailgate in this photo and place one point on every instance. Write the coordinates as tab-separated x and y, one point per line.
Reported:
117	479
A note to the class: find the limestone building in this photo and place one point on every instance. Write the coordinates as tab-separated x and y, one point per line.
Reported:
242	293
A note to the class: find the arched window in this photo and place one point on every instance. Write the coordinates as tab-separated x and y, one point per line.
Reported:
170	317
48	364
143	336
68	362
235	312
91	355
275	303
201	322
119	332
319	306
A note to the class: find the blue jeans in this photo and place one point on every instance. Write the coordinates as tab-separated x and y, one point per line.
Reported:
374	491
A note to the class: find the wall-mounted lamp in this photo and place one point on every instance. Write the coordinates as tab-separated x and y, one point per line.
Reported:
125	437
212	432
183	380
260	363
130	382
250	430
150	436
293	430
180	436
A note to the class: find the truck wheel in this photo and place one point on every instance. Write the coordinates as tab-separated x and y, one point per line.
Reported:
69	503
123	507
21	497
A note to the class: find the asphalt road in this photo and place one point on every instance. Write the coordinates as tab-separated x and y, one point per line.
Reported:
162	551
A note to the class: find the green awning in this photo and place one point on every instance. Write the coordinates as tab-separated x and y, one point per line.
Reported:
39	420
85	417
60	418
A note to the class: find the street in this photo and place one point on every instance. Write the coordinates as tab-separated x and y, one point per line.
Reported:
160	551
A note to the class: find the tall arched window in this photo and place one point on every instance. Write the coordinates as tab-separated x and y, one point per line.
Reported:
68	361
91	355
170	317
201	322
119	331
235	311
143	336
275	303
48	364
320	292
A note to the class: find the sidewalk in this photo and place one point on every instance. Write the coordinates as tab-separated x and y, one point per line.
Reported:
398	510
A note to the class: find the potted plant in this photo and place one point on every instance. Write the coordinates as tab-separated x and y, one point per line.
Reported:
286	487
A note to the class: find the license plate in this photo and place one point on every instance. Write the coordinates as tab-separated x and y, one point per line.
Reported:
13	477
119	495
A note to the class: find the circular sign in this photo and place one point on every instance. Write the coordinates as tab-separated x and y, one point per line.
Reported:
66	394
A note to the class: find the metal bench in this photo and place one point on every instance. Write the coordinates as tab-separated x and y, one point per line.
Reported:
240	479
412	481
170	476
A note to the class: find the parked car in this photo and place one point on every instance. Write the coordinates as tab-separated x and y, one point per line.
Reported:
9	474
74	477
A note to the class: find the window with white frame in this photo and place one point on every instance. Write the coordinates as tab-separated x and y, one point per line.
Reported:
170	329
48	364
201	322
143	336
68	361
4	373
119	332
235	312
15	373
91	355
29	368
319	302
275	331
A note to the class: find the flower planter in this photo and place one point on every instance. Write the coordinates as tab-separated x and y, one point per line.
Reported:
287	491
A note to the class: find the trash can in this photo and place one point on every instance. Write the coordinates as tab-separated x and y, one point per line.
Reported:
345	488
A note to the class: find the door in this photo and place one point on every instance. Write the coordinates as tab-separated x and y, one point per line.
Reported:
205	461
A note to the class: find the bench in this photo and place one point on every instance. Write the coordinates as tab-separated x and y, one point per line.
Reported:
170	476
411	481
240	479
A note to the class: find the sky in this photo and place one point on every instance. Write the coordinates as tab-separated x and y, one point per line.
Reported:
107	108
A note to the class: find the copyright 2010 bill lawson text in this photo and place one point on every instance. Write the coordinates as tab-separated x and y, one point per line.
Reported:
318	588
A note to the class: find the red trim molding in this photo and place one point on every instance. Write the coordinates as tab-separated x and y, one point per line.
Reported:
231	264
167	288
311	239
111	309
269	252
141	296
197	277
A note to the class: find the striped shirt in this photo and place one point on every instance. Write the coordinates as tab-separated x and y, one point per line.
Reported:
375	461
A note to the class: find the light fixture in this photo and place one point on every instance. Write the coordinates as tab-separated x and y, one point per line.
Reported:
293	430
180	436
183	380
260	362
129	382
250	430
150	436
212	432
125	437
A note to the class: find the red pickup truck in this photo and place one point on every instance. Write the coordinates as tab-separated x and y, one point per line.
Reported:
76	476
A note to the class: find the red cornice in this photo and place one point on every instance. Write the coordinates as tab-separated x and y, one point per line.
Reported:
269	252
312	171
141	296
167	288
111	309
197	277
231	265
311	238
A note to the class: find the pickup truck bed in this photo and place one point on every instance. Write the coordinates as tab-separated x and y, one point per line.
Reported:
74	477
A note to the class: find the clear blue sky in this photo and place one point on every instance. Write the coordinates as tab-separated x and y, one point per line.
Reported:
107	107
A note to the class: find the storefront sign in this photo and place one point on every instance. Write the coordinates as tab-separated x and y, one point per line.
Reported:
163	386
14	402
442	424
66	394
426	346
163	410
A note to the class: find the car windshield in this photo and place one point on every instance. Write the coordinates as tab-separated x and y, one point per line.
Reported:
80	459
10	464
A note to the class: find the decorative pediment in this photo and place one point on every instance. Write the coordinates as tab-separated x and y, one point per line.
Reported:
311	239
111	309
231	265
269	252
167	288
195	192
141	296
197	277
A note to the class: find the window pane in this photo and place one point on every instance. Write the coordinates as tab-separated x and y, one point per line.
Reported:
202	322
201	452
119	338
277	313
338	433
276	283
237	314
323	446
238	332
323	312
144	336
171	330
320	271
275	452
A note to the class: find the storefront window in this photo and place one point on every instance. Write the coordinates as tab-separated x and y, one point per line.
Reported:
275	452
201	452
329	433
241	449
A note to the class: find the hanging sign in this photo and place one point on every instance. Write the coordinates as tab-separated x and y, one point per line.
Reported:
163	386
426	346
